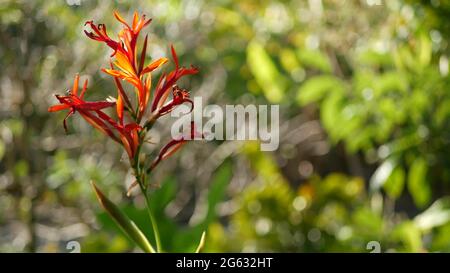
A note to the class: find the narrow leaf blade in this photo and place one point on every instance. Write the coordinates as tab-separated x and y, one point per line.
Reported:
201	244
125	223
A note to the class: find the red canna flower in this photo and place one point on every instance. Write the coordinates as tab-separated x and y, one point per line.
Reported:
126	64
127	67
179	96
168	81
173	146
128	134
101	35
129	35
91	112
88	110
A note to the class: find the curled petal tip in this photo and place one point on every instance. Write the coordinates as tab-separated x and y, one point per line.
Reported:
131	187
120	19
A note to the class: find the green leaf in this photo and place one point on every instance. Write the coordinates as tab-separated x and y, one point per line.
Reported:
425	50
442	113
370	222
418	187
21	168
201	244
373	58
411	237
125	223
331	114
217	190
265	71
314	59
184	239
316	88
441	239
2	149
161	197
389	82
395	183
288	59
404	58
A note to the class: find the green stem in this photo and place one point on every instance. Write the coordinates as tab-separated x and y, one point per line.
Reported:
154	225
141	179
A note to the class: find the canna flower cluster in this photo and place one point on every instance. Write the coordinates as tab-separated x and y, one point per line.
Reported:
137	109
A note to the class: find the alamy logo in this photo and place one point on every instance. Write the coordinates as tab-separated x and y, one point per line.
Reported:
230	122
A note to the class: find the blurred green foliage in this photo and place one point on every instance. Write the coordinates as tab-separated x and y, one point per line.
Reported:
332	214
374	168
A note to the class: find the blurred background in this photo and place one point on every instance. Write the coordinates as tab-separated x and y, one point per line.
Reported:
364	155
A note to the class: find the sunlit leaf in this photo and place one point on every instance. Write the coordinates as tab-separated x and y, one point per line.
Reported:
2	149
373	58
201	244
392	81
316	88
289	60
314	59
425	50
437	214
382	173
265	72
404	58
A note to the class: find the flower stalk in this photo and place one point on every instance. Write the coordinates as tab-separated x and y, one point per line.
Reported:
136	110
